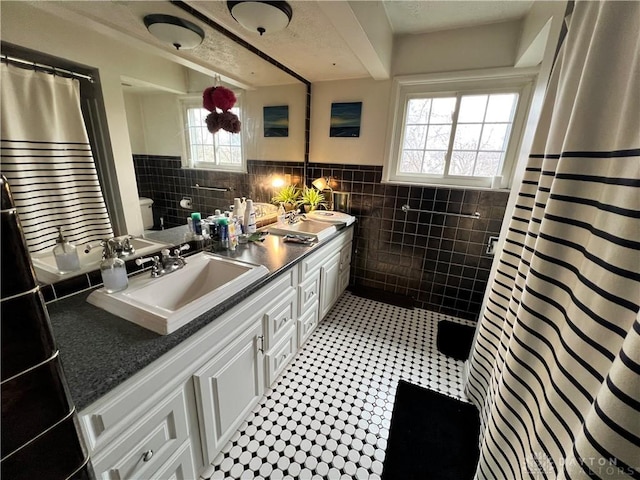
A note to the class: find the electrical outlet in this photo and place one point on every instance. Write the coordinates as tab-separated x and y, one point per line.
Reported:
491	245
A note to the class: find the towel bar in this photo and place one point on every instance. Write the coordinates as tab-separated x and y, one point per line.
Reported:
406	208
215	189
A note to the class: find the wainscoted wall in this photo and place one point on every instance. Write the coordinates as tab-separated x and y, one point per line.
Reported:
438	260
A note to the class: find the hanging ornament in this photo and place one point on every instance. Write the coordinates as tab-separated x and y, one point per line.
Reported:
214	98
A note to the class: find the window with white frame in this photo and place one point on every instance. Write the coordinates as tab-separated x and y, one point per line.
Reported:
462	131
220	151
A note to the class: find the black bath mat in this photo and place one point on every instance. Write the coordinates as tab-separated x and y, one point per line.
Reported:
432	437
382	296
454	340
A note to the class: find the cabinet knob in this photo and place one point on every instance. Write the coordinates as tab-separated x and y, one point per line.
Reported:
146	456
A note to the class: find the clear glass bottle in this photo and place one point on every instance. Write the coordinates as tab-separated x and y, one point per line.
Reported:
65	254
113	270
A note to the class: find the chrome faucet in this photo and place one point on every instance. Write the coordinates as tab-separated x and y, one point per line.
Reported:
167	263
121	245
294	217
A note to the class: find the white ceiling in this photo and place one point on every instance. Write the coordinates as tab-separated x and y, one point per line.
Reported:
422	16
325	40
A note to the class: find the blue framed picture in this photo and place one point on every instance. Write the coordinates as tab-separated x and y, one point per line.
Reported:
276	121
345	119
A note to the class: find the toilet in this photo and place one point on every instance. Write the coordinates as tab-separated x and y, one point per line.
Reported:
146	209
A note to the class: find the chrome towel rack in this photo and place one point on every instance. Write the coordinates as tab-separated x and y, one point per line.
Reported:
214	189
406	209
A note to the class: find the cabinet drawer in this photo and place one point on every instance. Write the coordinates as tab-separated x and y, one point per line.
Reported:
179	467
345	257
307	324
144	447
308	292
317	258
280	355
278	319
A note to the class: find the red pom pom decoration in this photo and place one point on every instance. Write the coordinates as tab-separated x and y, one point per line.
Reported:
230	122
214	98
207	99
223	98
213	122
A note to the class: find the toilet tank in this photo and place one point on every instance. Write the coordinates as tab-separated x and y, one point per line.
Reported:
146	209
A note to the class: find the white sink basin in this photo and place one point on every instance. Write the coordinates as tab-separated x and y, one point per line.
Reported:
311	228
331	216
47	271
169	302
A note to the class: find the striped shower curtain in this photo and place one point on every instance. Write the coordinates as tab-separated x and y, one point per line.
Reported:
555	368
47	159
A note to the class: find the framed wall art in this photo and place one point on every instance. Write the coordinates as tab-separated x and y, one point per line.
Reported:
276	121
345	119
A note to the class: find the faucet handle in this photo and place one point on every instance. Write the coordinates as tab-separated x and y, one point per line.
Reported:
183	248
142	260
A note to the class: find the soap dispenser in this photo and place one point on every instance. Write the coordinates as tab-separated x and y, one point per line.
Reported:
113	270
65	254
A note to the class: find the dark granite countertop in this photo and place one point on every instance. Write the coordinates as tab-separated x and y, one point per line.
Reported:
99	350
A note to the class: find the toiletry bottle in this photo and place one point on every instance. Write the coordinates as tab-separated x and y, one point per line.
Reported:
113	270
233	236
197	225
281	214
65	254
224	233
214	233
250	218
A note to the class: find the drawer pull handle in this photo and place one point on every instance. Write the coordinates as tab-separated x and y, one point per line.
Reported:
146	456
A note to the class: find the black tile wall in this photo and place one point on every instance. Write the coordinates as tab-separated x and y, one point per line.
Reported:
162	179
439	260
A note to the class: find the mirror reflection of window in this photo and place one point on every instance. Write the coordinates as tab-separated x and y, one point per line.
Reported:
220	151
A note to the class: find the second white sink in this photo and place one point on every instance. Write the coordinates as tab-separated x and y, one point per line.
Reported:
312	228
167	303
47	271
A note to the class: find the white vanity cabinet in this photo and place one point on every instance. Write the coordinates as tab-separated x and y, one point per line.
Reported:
172	418
334	273
323	276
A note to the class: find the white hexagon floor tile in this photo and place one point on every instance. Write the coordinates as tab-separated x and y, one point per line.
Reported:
328	415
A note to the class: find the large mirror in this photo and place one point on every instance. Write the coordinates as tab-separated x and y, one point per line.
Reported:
143	83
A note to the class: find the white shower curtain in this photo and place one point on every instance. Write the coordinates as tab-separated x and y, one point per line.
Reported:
555	369
47	159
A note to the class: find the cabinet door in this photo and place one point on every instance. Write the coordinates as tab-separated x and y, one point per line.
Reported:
179	467
228	387
329	284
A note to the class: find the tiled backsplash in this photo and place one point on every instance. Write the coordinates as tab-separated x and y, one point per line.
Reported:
439	260
163	179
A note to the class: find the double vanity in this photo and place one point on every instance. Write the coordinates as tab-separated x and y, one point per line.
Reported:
163	406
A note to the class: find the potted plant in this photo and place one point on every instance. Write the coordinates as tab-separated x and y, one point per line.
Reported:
312	198
288	196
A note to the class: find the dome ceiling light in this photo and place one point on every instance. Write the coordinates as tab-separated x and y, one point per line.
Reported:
261	16
180	33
